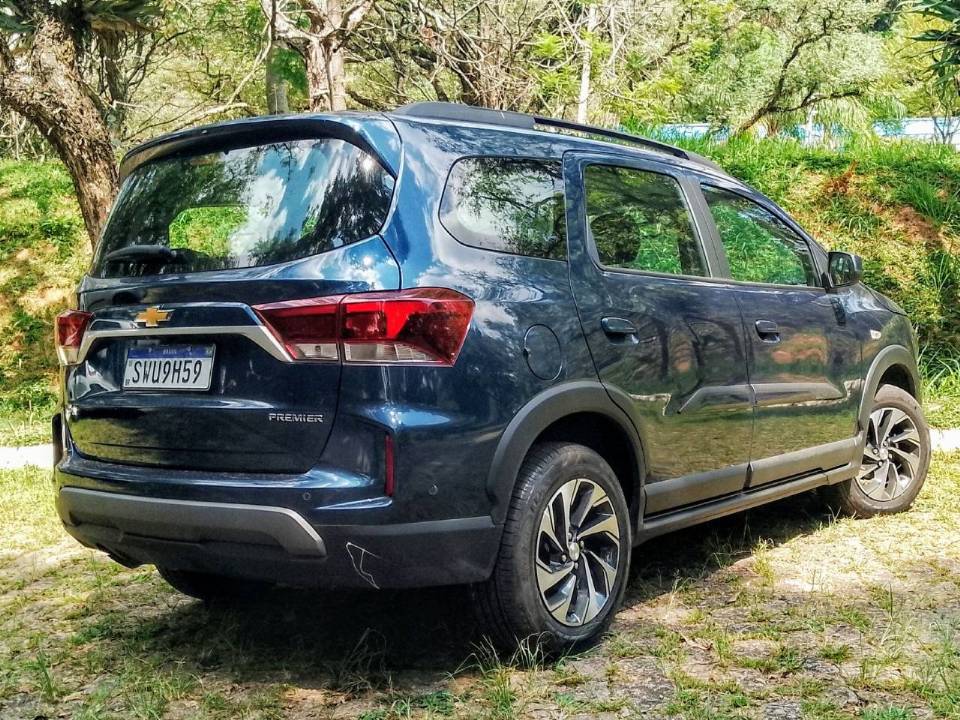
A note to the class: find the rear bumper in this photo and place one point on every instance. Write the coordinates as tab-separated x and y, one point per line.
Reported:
273	543
190	522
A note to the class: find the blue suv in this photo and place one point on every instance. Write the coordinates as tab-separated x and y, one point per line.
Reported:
449	345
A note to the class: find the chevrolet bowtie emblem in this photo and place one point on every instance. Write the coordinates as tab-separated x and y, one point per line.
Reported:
153	316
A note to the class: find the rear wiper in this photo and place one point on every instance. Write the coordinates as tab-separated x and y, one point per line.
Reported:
148	253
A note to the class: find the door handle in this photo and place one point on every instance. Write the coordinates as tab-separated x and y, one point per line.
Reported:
617	327
768	330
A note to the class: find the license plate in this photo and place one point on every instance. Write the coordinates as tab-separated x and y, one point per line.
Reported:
170	367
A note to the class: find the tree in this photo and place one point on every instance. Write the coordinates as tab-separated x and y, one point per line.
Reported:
43	45
505	54
208	66
945	39
944	42
585	40
319	31
804	37
780	60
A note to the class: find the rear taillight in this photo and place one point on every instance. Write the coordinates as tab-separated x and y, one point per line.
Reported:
70	326
422	325
306	328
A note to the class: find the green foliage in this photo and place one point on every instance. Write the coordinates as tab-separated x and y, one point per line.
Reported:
43	253
945	39
887	713
941	371
206	230
801	51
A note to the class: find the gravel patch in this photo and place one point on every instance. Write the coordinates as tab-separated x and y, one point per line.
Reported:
946	440
12	458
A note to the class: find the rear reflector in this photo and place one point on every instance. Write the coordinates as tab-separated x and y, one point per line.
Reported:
419	326
389	482
70	326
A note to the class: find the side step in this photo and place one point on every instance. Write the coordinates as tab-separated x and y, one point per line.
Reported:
704	512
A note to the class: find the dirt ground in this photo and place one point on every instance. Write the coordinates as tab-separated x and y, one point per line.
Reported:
783	612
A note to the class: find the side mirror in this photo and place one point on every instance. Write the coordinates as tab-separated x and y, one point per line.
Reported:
844	269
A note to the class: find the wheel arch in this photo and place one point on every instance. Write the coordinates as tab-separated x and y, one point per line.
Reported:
581	412
894	365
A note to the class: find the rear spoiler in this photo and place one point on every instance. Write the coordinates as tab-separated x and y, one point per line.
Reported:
373	133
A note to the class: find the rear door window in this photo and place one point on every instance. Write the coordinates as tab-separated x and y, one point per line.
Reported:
639	221
510	205
759	246
244	207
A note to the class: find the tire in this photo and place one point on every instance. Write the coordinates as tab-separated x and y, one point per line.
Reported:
869	494
511	604
213	588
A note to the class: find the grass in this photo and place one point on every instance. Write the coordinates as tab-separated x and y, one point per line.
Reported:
942	389
785	611
43	253
27	426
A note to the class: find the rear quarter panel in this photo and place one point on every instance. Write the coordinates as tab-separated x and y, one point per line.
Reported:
887	339
447	422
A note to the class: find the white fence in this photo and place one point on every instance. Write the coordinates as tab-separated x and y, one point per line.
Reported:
932	129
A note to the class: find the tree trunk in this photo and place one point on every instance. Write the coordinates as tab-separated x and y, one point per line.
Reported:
46	88
326	71
321	44
277	102
583	99
316	77
336	70
336	77
91	164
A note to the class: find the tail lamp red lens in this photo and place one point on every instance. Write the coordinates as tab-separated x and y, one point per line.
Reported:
421	325
69	329
306	328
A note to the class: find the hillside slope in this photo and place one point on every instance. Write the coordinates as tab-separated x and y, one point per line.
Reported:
43	252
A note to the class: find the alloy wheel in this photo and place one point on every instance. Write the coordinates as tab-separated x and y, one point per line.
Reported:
578	552
891	456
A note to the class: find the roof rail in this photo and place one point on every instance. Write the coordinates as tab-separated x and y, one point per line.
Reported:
459	112
612	134
466	113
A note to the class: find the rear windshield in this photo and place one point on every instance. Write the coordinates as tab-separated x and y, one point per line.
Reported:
243	207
